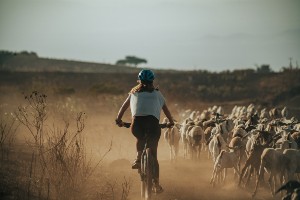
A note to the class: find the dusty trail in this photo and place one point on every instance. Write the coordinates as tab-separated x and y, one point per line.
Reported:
189	180
184	180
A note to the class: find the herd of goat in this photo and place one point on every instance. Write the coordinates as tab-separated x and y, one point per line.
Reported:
252	141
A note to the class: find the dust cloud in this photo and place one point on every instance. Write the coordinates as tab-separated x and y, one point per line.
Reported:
184	179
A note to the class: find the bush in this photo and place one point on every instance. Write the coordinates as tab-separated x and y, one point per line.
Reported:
59	167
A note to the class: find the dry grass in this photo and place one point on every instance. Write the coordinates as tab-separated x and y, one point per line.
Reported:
55	163
8	128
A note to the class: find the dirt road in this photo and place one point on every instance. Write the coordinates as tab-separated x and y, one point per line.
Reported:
189	180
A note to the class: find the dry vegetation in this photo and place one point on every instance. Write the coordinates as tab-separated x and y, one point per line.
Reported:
45	154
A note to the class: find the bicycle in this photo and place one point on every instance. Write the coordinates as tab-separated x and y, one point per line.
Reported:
147	168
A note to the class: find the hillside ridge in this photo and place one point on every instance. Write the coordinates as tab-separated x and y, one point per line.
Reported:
31	62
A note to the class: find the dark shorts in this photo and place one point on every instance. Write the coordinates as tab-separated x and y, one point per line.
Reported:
146	129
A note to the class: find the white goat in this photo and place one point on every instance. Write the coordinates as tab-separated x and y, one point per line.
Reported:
183	135
172	137
196	139
224	161
216	144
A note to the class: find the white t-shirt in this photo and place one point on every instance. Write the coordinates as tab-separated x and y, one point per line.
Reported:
146	103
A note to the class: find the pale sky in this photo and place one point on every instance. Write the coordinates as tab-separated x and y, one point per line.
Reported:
182	34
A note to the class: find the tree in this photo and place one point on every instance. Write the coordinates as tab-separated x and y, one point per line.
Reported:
263	69
131	60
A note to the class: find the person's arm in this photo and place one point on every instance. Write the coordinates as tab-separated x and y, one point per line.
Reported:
122	110
168	114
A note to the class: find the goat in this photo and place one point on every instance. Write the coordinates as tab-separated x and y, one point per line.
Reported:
216	144
264	114
241	144
183	135
284	112
293	162
253	160
223	161
195	138
227	127
274	162
172	137
274	113
296	137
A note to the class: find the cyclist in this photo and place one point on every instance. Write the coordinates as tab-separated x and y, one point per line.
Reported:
146	103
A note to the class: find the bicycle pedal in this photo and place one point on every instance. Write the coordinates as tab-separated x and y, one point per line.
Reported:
157	189
135	165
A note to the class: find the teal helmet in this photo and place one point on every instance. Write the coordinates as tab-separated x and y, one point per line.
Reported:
146	75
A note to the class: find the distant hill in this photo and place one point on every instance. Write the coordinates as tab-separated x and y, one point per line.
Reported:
25	70
30	62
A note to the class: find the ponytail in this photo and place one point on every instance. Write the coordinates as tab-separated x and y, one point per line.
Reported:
143	87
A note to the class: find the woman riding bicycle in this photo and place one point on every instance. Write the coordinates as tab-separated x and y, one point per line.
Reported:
146	103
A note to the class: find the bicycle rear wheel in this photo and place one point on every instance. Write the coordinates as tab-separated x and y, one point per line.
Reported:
147	174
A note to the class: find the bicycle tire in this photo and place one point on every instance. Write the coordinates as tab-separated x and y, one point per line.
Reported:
146	172
143	189
142	172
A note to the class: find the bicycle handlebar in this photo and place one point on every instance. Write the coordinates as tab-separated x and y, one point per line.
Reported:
164	125
126	124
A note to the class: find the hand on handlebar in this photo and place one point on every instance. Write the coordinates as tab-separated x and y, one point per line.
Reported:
167	125
170	125
119	122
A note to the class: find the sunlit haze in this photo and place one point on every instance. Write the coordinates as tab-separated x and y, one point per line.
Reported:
179	34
